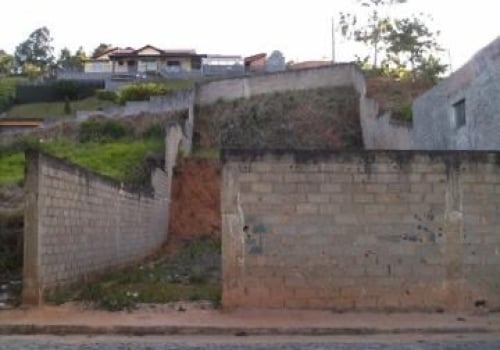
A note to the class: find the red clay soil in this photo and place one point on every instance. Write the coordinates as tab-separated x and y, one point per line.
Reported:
195	207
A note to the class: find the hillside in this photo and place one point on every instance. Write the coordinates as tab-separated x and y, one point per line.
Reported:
320	118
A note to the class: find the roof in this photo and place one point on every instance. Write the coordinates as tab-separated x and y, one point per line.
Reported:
4	122
105	52
256	57
130	52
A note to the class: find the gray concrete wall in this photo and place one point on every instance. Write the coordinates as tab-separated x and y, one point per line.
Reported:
230	89
380	131
179	101
361	230
79	224
478	82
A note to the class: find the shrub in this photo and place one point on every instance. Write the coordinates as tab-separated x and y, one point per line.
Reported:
403	111
102	130
154	131
7	93
142	91
67	106
106	95
66	90
56	91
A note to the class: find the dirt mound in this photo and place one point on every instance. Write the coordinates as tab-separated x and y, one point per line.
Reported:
195	208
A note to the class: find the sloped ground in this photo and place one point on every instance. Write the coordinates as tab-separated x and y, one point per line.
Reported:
195	207
396	95
326	118
192	273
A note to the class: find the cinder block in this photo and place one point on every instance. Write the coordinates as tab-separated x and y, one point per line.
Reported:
376	188
331	188
307	209
262	188
318	198
295	178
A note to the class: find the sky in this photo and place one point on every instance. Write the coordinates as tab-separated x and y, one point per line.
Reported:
300	29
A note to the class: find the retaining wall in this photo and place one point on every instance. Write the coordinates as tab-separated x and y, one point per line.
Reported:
79	224
234	88
379	231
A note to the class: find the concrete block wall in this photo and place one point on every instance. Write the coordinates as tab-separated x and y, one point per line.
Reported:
234	88
392	230
179	101
381	131
79	224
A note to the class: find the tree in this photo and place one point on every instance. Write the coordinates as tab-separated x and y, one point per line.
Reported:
412	45
371	30
71	62
6	63
64	59
31	71
36	50
99	50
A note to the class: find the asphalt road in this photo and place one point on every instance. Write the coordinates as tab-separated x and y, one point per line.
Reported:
250	343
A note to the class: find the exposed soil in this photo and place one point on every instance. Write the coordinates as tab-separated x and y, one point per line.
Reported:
195	208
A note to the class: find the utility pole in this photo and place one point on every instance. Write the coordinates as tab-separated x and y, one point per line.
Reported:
333	41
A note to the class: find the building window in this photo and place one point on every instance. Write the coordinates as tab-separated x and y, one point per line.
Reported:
459	114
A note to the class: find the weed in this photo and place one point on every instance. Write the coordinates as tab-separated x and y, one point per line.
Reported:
187	275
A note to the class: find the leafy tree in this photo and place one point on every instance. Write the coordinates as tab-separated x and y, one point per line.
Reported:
412	45
101	49
36	50
64	58
370	31
6	63
69	61
31	71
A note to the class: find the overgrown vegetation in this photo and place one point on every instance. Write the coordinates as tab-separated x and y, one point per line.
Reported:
107	147
11	168
312	119
11	224
47	110
144	91
8	91
191	274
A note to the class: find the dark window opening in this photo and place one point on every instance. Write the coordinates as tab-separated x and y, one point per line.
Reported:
131	63
173	63
459	114
120	63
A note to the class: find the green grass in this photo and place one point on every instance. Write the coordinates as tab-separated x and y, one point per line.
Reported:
114	159
11	168
206	153
55	109
190	275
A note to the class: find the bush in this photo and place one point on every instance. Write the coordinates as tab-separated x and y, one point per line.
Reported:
142	91
56	91
67	106
66	90
106	95
403	111
155	131
102	130
7	93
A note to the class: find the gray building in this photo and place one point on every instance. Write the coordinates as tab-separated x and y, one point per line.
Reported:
463	111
